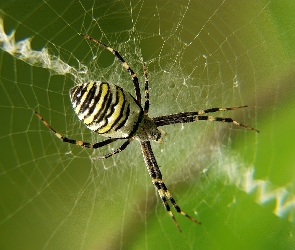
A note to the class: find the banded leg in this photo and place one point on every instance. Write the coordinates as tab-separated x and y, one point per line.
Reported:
186	117
124	63
118	150
156	176
72	141
163	186
146	89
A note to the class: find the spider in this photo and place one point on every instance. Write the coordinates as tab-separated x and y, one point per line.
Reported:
109	110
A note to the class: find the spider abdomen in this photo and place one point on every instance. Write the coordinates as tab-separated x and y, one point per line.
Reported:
106	109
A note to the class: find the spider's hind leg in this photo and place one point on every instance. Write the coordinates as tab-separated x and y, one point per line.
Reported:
156	176
116	151
73	141
177	208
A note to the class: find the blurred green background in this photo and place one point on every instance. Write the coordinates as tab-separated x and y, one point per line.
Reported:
199	54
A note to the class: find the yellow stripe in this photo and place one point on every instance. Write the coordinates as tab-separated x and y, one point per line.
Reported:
125	65
115	114
84	97
98	106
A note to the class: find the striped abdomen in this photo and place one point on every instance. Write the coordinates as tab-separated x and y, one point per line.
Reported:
106	109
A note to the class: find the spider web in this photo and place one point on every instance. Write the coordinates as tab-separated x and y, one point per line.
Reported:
199	54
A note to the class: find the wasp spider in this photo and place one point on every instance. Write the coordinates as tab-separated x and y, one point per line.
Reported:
109	110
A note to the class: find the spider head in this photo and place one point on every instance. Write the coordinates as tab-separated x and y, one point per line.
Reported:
148	131
155	135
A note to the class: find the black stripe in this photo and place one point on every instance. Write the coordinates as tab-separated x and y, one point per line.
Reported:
72	90
96	100
80	91
76	89
88	99
157	185
139	120
116	53
202	117
102	114
99	115
121	124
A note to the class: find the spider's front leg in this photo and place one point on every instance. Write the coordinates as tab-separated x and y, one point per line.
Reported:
124	63
186	117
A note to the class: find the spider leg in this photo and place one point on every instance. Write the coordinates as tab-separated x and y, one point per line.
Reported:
153	172
118	150
124	63
146	89
186	117
156	176
76	142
